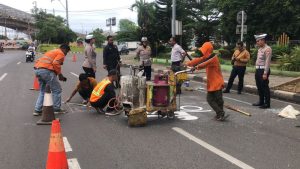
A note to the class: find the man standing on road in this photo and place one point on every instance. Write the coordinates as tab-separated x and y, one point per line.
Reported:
215	81
47	68
239	60
177	55
262	72
111	58
84	87
104	96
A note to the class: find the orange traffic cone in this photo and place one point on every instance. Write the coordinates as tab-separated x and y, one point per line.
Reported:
74	58
57	158
47	111
36	85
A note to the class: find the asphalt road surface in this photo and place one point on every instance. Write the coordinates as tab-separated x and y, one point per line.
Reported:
93	141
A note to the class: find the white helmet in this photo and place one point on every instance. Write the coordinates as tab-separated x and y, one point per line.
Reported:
88	37
144	39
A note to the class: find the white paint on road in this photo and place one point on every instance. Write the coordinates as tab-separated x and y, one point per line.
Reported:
74	74
178	114
68	147
73	163
213	149
3	76
193	109
18	63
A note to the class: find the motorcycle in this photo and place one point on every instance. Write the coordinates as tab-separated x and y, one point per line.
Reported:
30	56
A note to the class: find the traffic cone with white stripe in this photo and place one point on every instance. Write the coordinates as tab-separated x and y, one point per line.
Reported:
47	111
74	59
36	85
57	158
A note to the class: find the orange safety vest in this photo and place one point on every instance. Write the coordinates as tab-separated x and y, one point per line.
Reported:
52	60
99	90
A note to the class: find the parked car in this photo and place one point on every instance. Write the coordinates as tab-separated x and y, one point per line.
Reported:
123	49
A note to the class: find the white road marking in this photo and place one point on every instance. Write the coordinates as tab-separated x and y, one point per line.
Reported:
74	74
18	63
3	76
194	109
73	163
68	147
213	149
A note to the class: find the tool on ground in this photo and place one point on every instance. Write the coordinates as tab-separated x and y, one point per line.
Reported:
36	85
57	158
237	110
47	111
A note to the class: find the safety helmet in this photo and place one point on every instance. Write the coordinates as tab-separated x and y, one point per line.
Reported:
88	37
144	39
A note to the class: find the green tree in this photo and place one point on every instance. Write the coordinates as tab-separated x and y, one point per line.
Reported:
129	31
270	16
52	29
100	38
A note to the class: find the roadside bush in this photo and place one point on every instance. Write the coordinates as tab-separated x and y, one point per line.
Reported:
225	54
290	62
279	50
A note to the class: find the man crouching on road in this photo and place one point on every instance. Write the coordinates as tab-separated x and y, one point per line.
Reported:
47	68
215	81
84	87
104	96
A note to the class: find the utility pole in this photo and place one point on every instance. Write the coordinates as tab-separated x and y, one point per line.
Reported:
67	13
242	28
173	18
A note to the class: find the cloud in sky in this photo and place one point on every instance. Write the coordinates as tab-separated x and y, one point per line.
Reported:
84	15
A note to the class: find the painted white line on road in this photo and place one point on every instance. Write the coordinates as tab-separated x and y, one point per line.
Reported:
74	74
73	163
68	147
213	149
3	76
18	63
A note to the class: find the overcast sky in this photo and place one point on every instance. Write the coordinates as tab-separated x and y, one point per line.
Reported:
84	15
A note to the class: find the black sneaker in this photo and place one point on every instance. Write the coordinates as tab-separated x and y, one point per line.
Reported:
113	113
226	91
223	117
37	113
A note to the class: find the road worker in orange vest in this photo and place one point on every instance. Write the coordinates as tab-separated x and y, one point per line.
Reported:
103	96
47	68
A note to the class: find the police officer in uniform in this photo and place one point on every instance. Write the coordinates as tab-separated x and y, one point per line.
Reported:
262	72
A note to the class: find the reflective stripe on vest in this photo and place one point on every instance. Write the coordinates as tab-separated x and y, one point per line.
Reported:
100	91
46	59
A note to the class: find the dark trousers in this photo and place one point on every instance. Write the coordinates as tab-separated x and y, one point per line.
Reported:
117	82
262	87
85	94
147	72
89	71
103	101
175	66
236	71
216	102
